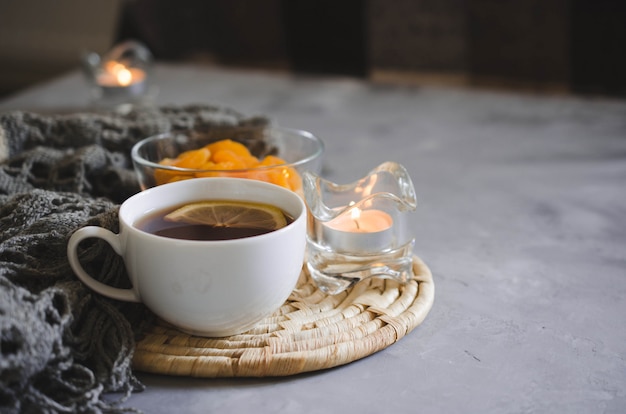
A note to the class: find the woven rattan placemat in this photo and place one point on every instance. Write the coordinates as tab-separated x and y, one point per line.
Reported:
311	331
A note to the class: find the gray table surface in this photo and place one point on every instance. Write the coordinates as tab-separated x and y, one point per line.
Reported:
521	218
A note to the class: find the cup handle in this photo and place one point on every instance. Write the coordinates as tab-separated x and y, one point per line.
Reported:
128	295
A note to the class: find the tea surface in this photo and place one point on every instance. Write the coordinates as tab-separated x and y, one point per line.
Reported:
158	224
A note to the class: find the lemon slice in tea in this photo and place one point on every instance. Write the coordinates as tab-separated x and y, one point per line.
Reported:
230	213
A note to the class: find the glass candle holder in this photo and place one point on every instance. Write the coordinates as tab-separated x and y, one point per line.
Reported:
121	76
359	230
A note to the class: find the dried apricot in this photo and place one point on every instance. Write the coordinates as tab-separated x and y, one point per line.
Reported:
228	144
221	157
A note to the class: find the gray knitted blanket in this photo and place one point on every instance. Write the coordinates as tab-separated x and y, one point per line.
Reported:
64	348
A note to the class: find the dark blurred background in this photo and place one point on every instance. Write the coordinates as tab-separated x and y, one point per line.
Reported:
572	46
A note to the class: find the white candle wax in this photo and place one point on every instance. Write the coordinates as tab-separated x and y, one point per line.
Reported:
365	231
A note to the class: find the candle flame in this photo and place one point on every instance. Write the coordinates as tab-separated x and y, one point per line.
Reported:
121	73
355	214
124	77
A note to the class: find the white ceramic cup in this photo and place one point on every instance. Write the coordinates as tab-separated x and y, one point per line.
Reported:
206	288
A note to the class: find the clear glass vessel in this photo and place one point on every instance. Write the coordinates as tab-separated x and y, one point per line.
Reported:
359	230
300	150
121	76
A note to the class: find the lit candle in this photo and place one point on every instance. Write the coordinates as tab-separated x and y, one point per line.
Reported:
359	231
117	75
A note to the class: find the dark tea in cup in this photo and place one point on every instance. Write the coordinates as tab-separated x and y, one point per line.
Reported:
215	220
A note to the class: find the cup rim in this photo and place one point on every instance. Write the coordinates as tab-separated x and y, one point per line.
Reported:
306	134
131	221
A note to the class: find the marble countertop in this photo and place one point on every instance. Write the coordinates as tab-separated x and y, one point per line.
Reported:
521	218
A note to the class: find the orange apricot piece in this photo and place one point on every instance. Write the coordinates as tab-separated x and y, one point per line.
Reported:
277	176
221	157
272	160
193	159
230	158
228	144
294	179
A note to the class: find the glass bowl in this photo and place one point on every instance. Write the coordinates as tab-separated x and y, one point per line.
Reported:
300	150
